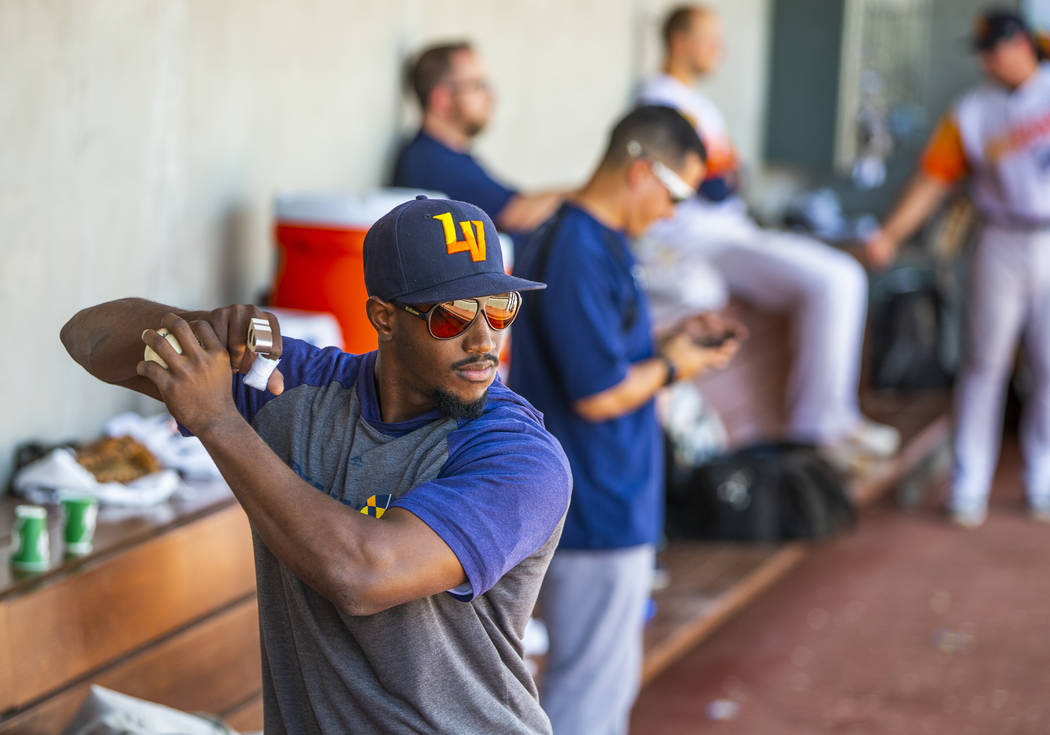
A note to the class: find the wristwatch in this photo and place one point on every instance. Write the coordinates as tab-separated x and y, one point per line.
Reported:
672	371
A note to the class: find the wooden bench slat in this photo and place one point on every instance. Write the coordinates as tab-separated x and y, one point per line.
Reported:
248	716
124	601
211	667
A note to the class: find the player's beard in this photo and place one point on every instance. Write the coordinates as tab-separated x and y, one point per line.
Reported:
471	126
452	407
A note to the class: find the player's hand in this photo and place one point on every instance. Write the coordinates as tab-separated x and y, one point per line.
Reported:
691	359
880	250
712	328
230	324
196	384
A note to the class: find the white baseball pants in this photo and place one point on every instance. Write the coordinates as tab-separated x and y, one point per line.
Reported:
695	259
1009	301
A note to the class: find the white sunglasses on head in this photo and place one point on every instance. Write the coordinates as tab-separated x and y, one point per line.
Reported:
676	187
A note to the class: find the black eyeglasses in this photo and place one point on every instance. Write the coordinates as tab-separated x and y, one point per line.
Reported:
451	318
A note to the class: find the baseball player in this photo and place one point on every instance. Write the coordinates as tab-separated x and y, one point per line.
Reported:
711	248
997	135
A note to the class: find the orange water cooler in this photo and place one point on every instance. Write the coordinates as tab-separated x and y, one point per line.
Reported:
320	240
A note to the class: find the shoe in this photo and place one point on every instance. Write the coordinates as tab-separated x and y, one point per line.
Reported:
661	578
1039	510
968	517
875	439
846	457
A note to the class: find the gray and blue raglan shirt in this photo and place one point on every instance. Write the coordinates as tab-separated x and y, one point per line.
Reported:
495	489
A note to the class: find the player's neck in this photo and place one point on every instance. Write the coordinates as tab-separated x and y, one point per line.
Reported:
447	132
398	399
602	198
681	71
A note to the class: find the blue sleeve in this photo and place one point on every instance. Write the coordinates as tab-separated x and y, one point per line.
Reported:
471	183
301	364
423	165
580	315
498	498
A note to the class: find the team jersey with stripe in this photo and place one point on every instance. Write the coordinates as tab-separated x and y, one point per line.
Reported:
722	162
1001	139
495	489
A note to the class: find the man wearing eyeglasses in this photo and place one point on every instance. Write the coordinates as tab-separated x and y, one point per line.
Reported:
456	100
584	354
404	503
711	248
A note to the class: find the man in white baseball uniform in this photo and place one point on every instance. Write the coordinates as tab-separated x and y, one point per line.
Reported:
999	136
712	249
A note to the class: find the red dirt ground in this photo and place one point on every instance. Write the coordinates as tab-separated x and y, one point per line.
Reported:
905	625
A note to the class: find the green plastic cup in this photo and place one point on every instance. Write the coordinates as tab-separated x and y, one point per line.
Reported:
30	550
78	532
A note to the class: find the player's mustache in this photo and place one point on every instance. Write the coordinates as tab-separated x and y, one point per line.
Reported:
475	360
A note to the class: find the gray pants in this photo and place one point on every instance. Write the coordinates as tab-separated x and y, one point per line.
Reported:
1009	302
593	603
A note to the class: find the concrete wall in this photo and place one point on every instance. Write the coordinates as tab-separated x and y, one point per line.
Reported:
142	143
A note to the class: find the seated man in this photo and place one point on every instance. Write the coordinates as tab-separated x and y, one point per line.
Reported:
404	504
711	249
456	101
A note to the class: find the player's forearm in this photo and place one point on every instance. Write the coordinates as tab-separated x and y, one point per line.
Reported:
525	212
325	543
643	381
922	197
106	339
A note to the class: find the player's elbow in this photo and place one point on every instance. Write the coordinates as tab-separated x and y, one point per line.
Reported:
67	335
359	584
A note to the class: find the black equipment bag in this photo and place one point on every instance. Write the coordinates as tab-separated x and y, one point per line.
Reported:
914	329
761	493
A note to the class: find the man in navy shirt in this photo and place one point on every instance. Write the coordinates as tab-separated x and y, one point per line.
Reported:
456	101
584	354
404	504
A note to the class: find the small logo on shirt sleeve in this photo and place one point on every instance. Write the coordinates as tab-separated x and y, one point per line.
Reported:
376	505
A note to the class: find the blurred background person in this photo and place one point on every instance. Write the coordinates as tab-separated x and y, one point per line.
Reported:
456	99
711	249
997	135
584	355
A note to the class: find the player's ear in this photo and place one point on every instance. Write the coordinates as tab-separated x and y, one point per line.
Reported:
381	314
636	173
440	98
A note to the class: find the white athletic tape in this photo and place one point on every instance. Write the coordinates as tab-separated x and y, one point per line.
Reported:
259	374
260	341
151	355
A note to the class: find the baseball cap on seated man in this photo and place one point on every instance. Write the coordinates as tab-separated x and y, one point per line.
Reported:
995	25
428	251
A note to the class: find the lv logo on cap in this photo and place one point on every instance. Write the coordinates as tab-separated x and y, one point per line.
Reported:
474	245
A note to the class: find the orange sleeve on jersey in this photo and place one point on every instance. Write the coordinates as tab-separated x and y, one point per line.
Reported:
721	160
944	157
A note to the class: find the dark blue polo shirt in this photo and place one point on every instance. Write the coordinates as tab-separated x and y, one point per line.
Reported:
573	340
426	163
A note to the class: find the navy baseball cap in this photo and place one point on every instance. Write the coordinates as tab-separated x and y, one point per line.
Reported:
995	25
426	251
